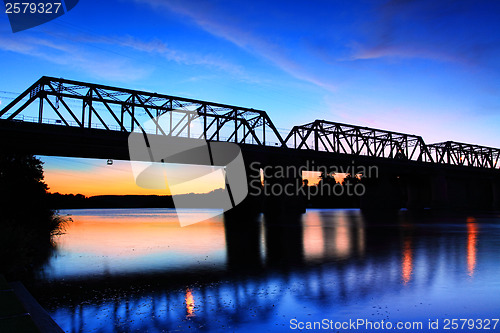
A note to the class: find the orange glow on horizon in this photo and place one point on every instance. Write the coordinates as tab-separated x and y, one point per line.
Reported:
118	179
92	177
96	183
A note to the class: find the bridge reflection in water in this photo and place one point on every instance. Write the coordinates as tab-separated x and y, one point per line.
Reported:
333	264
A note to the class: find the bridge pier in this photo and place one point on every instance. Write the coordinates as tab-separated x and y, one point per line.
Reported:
253	203
495	193
274	192
439	192
382	193
417	192
459	192
284	193
479	193
284	240
243	242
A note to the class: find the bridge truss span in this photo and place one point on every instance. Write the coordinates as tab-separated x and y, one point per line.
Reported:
464	154
322	135
87	105
75	104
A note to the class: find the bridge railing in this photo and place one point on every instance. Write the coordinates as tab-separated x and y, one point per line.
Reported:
53	121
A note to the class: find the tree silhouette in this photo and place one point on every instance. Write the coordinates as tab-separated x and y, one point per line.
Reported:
26	221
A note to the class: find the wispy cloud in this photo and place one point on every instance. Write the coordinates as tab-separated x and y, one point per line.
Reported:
84	51
121	45
73	56
446	30
161	48
401	51
213	19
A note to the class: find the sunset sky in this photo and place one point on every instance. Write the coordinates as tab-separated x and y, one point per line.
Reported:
97	177
430	68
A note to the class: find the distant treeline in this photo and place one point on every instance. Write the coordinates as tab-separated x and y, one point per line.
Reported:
326	194
69	201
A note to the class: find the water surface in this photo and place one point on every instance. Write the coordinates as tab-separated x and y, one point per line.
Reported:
137	270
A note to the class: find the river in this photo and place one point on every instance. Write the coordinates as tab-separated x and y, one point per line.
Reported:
138	270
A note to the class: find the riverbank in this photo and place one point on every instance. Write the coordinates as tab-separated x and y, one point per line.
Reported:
20	312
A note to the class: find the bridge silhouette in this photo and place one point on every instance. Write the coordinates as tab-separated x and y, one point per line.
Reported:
55	116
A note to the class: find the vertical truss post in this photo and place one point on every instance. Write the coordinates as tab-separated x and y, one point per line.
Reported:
89	103
132	113
171	115
217	130
235	113
447	151
316	141
157	119
83	113
40	110
205	121
264	132
122	115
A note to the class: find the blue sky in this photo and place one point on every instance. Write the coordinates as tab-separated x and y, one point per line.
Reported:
430	68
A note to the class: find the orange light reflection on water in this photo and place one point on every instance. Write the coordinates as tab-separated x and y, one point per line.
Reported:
189	299
314	247
407	264
140	235
472	232
343	239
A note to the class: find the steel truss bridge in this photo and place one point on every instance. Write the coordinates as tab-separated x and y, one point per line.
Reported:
90	106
